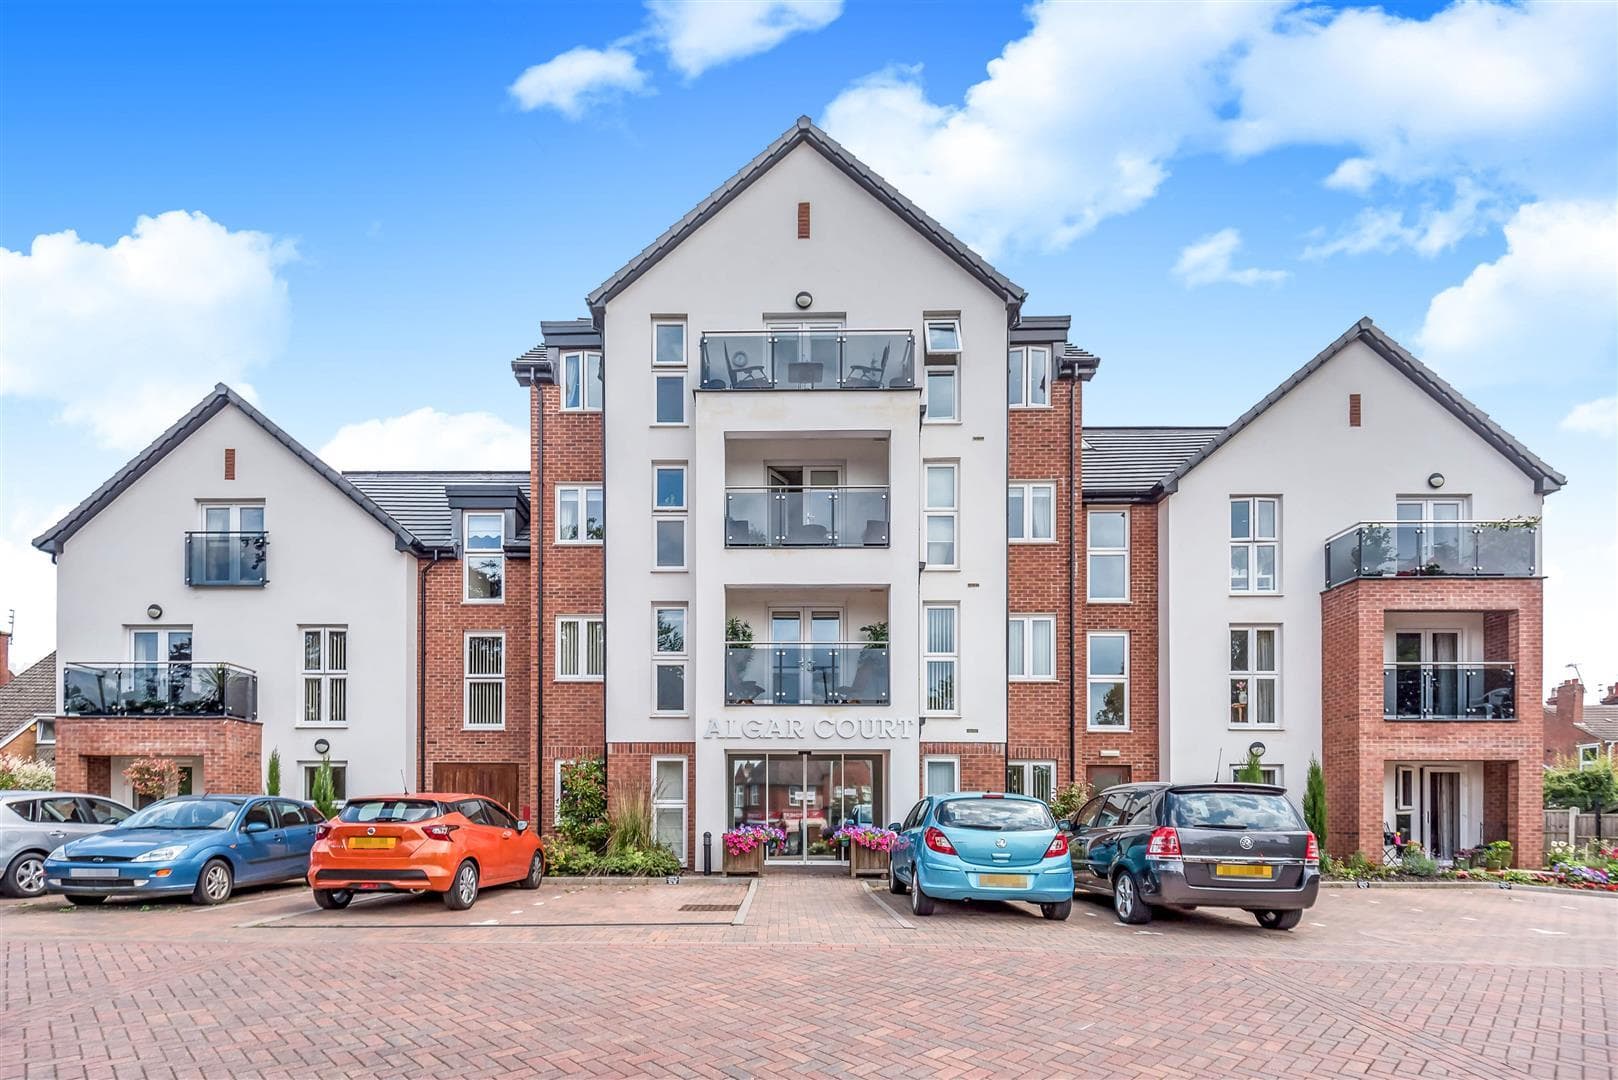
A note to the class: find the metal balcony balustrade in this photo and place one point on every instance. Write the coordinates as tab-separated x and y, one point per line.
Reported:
1380	549
160	688
807	673
227	558
806	517
1454	690
830	359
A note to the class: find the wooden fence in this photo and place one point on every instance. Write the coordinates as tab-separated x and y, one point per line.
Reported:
1561	824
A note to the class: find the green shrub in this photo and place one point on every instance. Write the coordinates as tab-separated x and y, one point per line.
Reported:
1593	786
1415	862
631	824
1252	770
25	774
323	791
581	816
1497	854
1314	800
272	784
656	862
1068	800
565	858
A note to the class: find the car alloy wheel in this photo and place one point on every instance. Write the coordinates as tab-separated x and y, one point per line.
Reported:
463	890
216	882
1126	901
30	875
920	903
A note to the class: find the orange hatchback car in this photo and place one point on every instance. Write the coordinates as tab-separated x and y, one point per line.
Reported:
449	844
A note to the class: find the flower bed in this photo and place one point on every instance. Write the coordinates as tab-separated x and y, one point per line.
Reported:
868	848
746	845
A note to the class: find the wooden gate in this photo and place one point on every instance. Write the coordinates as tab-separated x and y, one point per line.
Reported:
497	780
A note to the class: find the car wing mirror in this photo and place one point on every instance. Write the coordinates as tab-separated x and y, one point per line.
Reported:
255	827
1064	826
894	827
522	826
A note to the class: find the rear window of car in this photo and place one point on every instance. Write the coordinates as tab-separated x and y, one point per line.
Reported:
405	810
1003	815
1233	810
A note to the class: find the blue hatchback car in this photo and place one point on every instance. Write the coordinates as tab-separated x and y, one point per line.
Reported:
204	845
982	846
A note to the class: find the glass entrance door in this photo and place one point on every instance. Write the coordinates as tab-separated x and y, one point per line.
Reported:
1443	813
808	797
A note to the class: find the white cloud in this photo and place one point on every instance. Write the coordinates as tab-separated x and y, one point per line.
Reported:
1549	304
1207	262
577	79
1598	417
1433	231
125	337
28	582
429	439
701	34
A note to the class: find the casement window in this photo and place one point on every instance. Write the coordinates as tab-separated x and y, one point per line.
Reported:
669	804
943	395
1028	377
45	732
669	393
484	558
325	675
556	788
581	648
668	487
485	667
943	775
1255	689
669	659
1036	778
1107	543
668	343
1268	774
940	658
1255	546
1107	699
668	543
942	508
339	780
943	337
1589	755
1031	513
1404	801
581	382
231	549
1031	647
581	516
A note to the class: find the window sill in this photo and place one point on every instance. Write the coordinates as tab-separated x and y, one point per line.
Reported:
483	603
669	716
669	569
1254	727
1108	730
321	727
669	424
579	543
585	412
930	569
580	678
1107	600
1037	680
1046	540
944	422
1027	408
1235	593
483	727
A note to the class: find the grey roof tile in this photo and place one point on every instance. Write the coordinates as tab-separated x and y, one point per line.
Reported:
32	691
1129	462
417	500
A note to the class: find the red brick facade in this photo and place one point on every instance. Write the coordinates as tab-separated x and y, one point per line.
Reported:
629	776
229	749
1138	747
982	765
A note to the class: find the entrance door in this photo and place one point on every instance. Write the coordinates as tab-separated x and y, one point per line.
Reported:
1443	813
809	797
161	674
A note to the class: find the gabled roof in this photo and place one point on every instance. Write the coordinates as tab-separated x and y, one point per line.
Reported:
57	536
1545	478
420	499
31	691
1601	721
804	132
1128	463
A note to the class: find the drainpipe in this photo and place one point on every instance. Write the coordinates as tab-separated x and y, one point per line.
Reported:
421	669
1074	489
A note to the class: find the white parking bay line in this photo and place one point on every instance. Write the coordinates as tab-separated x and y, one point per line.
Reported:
486	922
1551	933
1150	933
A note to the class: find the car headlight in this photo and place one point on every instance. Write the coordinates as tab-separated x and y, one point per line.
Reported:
160	854
59	853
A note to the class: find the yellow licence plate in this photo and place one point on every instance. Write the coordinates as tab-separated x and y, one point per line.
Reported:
1241	870
1003	881
383	842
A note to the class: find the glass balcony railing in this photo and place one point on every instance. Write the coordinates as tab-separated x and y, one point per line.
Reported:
807	673
809	360
1450	691
227	558
1374	549
806	517
166	688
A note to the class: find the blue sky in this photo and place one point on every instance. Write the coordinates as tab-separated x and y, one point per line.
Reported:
382	201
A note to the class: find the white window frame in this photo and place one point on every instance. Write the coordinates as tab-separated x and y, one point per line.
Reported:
1595	755
581	492
324	675
953	322
680	659
952	658
659	467
1023	355
306	768
952	513
955	767
556	788
680	519
1091	550
1027	768
666	803
577	363
659	374
43	724
1253	675
685	343
1090	678
1027	487
469	553
1269	774
1400	773
469	680
954	373
583	622
1027	659
1252	543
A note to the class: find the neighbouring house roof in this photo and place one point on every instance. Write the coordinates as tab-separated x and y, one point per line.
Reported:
1545	478
420	499
1601	721
1130	462
30	692
804	132
57	536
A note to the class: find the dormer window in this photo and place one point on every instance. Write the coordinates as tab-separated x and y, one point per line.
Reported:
484	557
581	382
943	337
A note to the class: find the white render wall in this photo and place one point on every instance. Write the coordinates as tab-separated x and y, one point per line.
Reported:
330	564
1329	476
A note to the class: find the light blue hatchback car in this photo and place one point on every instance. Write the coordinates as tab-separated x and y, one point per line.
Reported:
974	845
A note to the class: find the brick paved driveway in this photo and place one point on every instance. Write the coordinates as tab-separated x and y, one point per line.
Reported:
820	976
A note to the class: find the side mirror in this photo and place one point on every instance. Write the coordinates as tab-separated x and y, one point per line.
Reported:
1064	826
255	826
894	827
1077	827
522	827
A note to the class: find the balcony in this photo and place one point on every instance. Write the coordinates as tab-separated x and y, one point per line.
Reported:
806	673
775	517
1449	691
1380	549
808	360
167	688
239	559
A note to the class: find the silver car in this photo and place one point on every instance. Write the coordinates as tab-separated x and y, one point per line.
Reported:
35	823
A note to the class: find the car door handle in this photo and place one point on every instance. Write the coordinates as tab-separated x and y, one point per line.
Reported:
56	832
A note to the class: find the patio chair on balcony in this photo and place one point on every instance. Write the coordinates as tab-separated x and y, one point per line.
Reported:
744	373
868	376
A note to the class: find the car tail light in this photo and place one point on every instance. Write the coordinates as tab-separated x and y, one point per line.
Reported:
1058	846
438	832
1164	844
993	795
322	830
938	841
1311	850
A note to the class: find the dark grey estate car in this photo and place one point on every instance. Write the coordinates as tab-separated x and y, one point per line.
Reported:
1197	845
35	823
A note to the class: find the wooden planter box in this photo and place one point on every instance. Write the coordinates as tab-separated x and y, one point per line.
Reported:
864	862
751	863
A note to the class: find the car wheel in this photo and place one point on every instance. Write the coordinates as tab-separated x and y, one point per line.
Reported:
1058	911
895	886
1278	920
333	899
25	876
85	901
214	884
463	891
920	903
1126	901
536	872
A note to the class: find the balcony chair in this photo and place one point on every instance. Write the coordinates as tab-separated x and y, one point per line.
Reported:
744	374
868	376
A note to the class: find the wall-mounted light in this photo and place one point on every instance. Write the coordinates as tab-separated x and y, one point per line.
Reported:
153	611
1256	748
803	300
322	747
1435	480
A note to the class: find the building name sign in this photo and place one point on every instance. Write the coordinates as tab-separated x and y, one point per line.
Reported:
802	728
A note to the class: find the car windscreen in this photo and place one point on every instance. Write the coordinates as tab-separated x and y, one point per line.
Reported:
185	814
1233	810
1002	815
405	810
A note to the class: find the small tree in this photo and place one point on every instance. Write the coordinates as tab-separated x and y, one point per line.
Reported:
272	785
1252	772
581	815
25	774
152	777
323	791
1066	801
1314	800
1591	788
